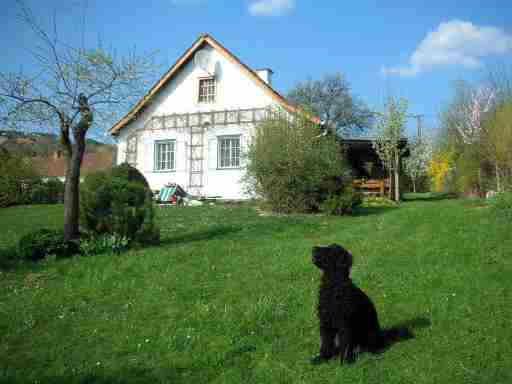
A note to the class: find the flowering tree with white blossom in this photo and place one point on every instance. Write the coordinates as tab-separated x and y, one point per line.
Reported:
468	115
416	164
389	133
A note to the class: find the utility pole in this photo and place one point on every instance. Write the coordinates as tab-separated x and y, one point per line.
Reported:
418	118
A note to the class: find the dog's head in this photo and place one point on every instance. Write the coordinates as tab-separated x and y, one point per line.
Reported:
332	259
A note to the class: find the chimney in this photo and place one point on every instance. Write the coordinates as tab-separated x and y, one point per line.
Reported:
265	74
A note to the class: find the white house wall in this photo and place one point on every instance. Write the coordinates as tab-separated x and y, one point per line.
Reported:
234	91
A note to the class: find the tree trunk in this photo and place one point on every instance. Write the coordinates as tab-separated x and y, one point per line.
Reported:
413	185
397	177
72	191
498	181
390	183
75	155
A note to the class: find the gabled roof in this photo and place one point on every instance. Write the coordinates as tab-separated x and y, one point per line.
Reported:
203	39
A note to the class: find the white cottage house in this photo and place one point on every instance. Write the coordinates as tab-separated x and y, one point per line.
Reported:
194	124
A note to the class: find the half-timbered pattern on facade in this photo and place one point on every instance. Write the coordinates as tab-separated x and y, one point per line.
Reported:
194	125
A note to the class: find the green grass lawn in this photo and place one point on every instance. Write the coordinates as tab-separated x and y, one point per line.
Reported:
230	295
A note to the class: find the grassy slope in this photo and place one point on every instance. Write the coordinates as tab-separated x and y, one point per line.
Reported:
230	297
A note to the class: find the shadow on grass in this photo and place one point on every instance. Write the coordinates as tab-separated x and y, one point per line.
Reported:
124	376
199	372
209	234
404	331
368	211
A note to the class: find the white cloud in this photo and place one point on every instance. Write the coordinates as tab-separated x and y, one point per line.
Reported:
454	42
271	7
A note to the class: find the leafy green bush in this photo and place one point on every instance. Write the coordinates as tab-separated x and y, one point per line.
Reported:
43	242
33	190
103	244
8	257
16	175
119	204
46	192
343	203
9	191
290	163
502	204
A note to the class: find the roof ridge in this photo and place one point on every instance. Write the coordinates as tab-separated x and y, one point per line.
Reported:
203	38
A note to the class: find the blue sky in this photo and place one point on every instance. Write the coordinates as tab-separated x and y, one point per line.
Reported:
414	49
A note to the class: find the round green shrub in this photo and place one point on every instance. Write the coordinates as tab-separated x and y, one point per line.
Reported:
119	203
127	172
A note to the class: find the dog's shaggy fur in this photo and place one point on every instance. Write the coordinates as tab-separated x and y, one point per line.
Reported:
348	319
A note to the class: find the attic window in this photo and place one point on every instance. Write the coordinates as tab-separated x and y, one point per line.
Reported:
207	87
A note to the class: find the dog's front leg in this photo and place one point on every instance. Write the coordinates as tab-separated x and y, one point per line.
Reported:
347	346
327	345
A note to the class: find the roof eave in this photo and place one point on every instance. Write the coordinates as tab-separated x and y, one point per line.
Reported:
204	38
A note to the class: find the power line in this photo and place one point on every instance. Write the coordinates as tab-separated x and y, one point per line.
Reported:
417	116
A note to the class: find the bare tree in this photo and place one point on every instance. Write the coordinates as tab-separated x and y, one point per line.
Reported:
331	99
72	91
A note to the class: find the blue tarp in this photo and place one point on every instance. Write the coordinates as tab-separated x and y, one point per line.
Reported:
166	193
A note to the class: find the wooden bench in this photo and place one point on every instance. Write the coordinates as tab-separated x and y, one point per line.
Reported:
371	186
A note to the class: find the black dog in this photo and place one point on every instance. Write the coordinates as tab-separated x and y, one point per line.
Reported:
346	313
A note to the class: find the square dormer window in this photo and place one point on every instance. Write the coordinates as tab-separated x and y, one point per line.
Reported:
207	90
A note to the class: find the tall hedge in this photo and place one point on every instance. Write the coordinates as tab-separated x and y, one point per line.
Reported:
293	166
118	202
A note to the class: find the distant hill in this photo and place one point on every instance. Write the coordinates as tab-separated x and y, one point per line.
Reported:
46	153
42	144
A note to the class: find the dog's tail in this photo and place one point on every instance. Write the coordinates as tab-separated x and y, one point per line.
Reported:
390	336
396	334
401	332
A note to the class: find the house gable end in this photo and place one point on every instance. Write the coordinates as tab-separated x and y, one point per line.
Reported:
177	91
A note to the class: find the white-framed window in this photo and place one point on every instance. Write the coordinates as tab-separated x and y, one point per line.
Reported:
207	90
228	152
165	155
